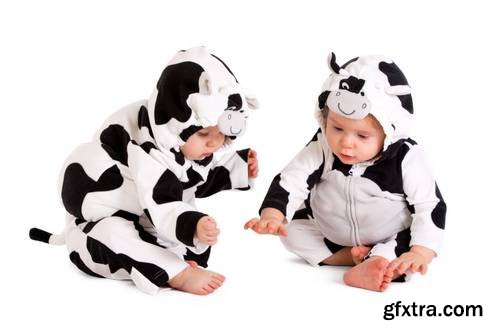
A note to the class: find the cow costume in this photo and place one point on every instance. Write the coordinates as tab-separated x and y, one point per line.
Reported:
130	192
390	202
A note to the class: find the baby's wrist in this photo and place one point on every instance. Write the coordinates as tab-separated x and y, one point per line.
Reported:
424	252
270	213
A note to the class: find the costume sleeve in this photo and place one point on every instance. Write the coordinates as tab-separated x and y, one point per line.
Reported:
424	199
291	187
160	195
230	172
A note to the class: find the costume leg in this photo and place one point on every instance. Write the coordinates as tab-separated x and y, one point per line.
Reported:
306	240
113	248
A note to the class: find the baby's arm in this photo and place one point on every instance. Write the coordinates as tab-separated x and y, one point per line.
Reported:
160	195
232	171
427	207
290	188
428	213
415	260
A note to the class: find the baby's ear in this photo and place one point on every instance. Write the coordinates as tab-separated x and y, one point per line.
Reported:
205	83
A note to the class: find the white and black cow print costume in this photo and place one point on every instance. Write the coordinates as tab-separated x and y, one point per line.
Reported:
391	202
130	192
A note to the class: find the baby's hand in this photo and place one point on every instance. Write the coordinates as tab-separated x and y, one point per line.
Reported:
415	260
253	164
270	222
206	230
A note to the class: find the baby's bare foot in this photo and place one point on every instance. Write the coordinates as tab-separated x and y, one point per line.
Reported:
371	274
197	281
358	253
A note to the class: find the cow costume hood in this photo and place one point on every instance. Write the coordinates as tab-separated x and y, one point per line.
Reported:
369	85
196	90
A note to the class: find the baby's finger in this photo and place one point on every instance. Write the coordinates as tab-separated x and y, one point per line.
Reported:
394	264
213	233
423	269
282	231
261	227
250	224
404	267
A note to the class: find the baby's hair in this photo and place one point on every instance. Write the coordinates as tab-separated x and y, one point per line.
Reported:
324	112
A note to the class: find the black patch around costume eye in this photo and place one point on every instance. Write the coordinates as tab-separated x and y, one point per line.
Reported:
176	83
114	140
354	84
234	101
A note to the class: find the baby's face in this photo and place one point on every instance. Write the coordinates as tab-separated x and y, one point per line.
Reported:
354	140
203	143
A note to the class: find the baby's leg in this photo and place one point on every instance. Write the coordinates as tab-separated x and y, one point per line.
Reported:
116	247
341	255
306	240
358	253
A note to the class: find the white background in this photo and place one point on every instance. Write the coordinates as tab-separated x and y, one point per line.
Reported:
65	66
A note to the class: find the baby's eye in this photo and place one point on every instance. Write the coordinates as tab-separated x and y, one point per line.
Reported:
202	133
362	136
337	128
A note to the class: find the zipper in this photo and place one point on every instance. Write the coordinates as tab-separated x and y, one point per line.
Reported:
353	172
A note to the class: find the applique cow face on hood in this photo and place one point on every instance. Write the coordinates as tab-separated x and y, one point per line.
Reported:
197	90
369	85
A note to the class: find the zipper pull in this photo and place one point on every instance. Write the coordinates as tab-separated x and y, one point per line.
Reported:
353	169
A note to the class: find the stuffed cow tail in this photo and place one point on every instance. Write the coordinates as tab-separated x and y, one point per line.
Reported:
46	237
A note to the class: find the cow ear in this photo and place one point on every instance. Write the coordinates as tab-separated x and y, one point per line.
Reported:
332	63
252	101
398	90
205	83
